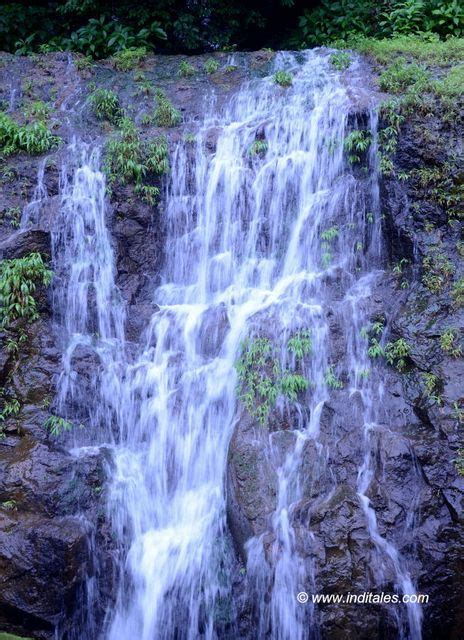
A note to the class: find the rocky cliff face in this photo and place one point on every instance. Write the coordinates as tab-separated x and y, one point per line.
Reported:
53	529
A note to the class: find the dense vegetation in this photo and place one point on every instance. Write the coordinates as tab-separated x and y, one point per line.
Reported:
99	28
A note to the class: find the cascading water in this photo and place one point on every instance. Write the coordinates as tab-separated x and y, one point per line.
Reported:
244	257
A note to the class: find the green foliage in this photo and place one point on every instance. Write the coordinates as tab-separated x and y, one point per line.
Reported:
330	234
457	292
103	37
437	271
165	114
130	58
261	380
10	408
83	63
211	65
431	385
450	344
56	425
283	78
340	60
331	379
12	215
186	69
357	143
300	344
106	105
37	110
397	353
18	281
459	462
375	349
258	148
402	74
33	138
8	505
131	160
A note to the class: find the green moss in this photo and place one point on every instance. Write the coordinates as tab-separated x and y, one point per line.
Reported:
429	50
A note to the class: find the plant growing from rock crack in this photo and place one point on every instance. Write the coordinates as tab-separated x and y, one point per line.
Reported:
331	379
449	342
300	344
19	278
33	138
56	425
106	105
261	380
128	159
211	65
186	70
340	60
11	215
283	78
397	353
258	148
437	271
431	383
457	292
165	114
356	143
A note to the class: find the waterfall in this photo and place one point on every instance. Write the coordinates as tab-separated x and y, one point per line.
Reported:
245	256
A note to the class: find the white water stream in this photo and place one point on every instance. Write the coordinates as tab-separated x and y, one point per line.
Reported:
244	256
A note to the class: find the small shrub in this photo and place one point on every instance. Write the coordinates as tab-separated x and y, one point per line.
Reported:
258	148
33	138
165	115
356	143
261	380
449	342
340	60
437	271
457	292
330	234
331	379
19	278
300	344
431	384
106	105
128	59
37	110
157	156
12	216
10	407
283	78
211	65
186	70
397	353
83	63
56	425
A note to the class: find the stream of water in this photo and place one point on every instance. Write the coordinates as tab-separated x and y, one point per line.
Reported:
256	244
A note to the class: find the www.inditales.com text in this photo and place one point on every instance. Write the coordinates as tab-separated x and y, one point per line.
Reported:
367	597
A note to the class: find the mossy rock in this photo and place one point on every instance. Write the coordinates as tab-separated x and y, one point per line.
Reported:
10	636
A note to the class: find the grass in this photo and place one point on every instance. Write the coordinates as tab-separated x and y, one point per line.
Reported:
402	74
429	50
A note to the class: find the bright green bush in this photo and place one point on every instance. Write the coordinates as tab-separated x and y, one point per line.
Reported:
283	78
186	69
106	105
19	278
211	65
33	138
165	114
402	74
340	60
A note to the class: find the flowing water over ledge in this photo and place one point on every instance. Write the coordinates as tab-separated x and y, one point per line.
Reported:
246	256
